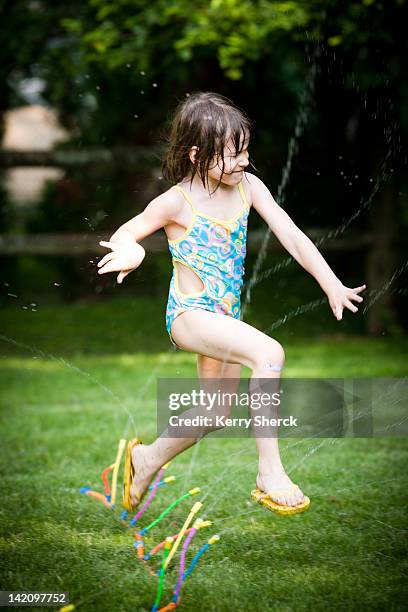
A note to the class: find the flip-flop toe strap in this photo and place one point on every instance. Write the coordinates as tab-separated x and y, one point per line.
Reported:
276	492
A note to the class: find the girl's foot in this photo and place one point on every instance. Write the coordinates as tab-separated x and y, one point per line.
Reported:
143	473
280	488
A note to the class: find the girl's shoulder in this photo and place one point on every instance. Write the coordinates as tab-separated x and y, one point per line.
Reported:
171	198
165	207
248	184
254	186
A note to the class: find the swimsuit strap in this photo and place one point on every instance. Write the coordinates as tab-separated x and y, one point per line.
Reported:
242	192
186	196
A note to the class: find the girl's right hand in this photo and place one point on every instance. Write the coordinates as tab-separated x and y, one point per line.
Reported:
124	258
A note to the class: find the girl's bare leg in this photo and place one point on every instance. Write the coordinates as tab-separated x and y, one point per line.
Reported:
147	459
228	339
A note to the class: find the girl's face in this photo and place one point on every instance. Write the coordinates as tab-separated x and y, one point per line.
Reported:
234	165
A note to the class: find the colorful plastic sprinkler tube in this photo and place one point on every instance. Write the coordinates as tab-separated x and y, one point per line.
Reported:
197	506
121	448
165	481
160	546
169	509
96	495
170	606
199	524
152	494
105	481
176	596
149	499
166	552
202	550
139	545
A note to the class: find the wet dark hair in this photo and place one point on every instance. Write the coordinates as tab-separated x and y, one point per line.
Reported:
206	120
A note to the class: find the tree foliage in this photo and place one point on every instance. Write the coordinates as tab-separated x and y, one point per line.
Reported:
100	54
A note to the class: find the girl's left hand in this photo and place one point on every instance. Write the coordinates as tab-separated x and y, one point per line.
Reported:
340	297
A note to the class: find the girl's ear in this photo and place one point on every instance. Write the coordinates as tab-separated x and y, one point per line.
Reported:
192	154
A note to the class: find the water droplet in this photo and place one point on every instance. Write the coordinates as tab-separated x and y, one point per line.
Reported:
128	65
141	91
142	72
154	85
33	310
356	176
340	157
33	304
57	285
136	116
25	307
12	295
98	87
318	173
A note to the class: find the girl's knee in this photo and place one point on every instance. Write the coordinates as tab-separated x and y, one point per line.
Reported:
269	358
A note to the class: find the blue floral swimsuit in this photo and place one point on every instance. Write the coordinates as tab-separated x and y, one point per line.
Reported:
214	249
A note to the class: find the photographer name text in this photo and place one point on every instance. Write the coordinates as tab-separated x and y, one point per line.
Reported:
223	421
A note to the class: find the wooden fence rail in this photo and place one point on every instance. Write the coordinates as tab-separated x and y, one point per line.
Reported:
88	244
68	158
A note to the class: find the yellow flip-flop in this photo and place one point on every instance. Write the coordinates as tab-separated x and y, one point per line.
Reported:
260	497
129	475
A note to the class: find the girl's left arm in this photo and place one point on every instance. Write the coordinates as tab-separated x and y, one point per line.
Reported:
302	249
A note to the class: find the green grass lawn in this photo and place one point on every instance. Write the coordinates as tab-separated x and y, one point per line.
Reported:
73	384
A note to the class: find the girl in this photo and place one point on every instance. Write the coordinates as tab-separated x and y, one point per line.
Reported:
204	215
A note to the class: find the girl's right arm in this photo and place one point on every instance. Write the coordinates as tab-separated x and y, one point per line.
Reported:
127	254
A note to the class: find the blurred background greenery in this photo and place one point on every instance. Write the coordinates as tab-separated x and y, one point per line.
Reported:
323	83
